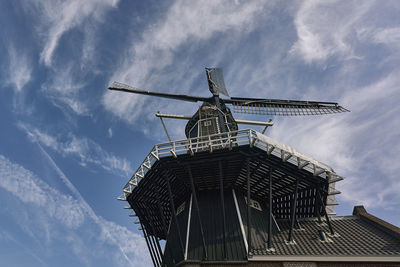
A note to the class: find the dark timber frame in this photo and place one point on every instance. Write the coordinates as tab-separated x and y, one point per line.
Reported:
161	211
317	204
293	215
326	214
155	242
153	257
174	215
221	190
196	206
269	242
288	191
249	253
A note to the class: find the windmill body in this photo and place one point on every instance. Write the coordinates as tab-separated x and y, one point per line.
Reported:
229	196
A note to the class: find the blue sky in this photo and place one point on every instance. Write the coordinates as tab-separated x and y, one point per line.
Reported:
68	145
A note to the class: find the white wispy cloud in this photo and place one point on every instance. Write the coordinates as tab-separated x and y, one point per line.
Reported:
19	69
63	89
84	149
184	23
390	36
325	28
7	237
110	231
28	188
59	17
53	20
361	145
73	212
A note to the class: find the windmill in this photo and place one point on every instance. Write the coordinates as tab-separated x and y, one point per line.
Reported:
222	195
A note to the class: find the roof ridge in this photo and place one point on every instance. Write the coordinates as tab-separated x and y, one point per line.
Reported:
381	224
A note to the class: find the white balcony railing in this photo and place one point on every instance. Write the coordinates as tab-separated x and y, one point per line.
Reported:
229	140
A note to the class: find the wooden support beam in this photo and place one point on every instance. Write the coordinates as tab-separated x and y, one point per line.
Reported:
196	206
173	211
164	224
269	243
221	190
148	245
326	214
317	205
249	253
153	237
293	213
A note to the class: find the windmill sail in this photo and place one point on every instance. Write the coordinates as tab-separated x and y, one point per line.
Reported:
216	81
276	107
126	88
283	107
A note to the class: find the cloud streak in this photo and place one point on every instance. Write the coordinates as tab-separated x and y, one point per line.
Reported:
29	189
360	145
63	90
70	211
105	227
85	150
53	21
58	17
183	24
5	236
19	69
324	31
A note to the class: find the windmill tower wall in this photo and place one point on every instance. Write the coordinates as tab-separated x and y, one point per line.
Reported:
234	248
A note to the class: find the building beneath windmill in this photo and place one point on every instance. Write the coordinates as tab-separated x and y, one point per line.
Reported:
239	198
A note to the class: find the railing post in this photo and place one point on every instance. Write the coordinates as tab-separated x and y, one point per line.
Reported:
250	138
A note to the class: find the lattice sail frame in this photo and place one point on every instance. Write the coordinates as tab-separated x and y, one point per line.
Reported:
286	109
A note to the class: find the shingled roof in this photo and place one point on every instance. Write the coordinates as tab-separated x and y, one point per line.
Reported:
360	237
